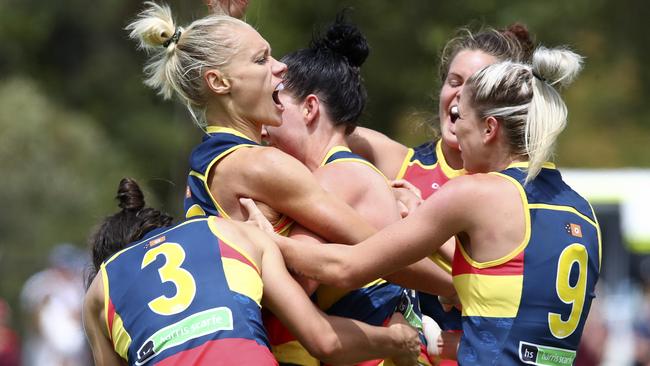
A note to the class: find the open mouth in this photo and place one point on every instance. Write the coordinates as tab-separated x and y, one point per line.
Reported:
453	113
276	95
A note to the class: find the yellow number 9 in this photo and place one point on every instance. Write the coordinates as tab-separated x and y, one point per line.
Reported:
171	271
574	295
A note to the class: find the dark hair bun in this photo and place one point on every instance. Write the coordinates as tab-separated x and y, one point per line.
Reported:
520	32
345	39
129	195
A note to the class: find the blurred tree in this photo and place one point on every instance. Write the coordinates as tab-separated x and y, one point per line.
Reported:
60	176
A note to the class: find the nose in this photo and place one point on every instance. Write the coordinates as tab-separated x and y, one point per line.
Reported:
278	68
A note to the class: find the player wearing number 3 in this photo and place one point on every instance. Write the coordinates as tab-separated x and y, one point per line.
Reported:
190	294
528	246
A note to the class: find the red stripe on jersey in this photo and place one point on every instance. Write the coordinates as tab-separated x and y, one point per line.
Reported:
229	252
514	266
110	314
223	352
277	332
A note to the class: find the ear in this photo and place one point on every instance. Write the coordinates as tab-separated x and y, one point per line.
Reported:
490	129
310	108
217	81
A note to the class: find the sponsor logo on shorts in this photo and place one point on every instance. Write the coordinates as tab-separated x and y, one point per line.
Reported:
535	354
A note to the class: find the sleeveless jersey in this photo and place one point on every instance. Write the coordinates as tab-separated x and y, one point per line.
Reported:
530	306
217	144
185	296
426	168
376	301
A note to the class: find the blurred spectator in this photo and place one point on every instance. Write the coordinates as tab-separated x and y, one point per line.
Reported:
642	329
52	300
9	343
594	336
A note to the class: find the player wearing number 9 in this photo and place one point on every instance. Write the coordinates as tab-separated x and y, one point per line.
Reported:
191	293
528	246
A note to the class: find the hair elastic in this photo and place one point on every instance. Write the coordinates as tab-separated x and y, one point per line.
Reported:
538	76
174	38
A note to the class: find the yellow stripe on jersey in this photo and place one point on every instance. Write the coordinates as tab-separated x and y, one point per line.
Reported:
336	149
488	295
329	295
449	171
221	129
293	352
441	262
243	279
405	164
545	206
333	151
212	224
121	338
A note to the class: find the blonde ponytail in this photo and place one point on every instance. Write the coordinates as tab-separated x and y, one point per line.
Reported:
547	114
523	99
179	56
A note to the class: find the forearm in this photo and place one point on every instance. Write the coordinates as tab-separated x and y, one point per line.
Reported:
357	341
307	259
339	223
424	276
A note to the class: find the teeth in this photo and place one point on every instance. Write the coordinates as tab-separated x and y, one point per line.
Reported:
453	113
279	87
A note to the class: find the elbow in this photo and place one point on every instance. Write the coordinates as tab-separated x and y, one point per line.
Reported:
345	277
326	347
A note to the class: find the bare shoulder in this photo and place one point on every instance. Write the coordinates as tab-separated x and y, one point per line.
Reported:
469	191
384	152
94	301
266	160
349	176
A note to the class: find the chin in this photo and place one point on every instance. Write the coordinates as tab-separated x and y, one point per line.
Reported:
450	140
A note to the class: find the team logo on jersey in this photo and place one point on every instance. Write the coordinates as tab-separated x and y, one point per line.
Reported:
574	230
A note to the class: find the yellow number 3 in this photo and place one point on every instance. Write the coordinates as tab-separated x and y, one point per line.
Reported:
171	271
574	295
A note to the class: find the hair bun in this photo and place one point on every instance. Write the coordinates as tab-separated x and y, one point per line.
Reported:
519	32
558	66
129	195
345	39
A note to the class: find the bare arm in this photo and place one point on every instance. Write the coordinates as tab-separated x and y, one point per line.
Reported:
361	188
425	276
385	153
396	246
287	186
332	339
94	326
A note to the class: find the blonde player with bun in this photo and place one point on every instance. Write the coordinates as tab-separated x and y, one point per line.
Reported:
222	70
